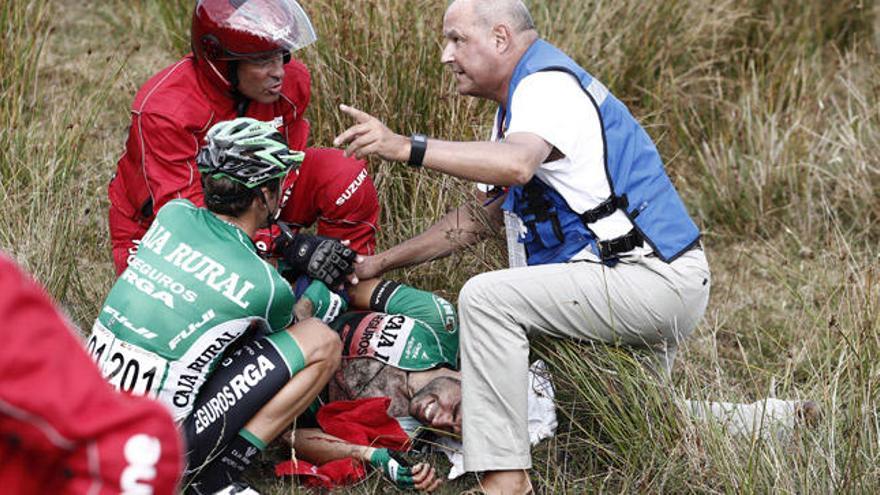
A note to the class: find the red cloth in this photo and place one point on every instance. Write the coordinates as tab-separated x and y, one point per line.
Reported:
63	429
362	422
171	114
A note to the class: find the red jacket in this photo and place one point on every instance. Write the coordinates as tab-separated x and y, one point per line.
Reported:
63	429
171	114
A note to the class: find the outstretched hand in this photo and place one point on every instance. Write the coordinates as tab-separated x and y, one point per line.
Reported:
422	476
369	136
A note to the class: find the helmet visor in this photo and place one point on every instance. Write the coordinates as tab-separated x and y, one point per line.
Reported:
282	23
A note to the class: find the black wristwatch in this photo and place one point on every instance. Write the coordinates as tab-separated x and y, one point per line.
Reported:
418	145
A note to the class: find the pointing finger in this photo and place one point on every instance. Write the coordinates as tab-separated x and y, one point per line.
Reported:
358	115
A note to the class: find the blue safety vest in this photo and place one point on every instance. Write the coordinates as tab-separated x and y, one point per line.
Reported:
639	184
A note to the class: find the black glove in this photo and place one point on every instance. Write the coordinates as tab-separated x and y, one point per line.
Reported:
321	258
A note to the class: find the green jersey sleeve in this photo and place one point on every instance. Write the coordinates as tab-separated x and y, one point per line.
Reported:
409	328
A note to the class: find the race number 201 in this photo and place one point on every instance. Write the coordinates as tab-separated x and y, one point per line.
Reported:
126	366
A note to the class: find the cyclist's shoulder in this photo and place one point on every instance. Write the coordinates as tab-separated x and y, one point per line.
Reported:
180	210
179	206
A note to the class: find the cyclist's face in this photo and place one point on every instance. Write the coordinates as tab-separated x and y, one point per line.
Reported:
260	80
438	404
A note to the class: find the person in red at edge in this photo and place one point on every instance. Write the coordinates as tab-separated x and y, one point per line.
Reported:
240	66
63	429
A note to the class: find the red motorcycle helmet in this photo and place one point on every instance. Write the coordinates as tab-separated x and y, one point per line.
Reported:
226	31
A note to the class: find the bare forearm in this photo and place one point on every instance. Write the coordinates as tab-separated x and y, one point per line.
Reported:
317	447
458	228
498	163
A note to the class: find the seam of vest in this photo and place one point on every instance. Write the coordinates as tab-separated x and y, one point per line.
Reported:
596	239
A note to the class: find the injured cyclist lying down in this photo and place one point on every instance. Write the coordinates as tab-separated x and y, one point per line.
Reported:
411	340
402	347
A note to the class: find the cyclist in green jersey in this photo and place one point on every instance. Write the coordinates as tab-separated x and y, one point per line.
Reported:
197	287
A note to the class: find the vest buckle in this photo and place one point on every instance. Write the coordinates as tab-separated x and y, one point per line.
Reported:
611	248
605	208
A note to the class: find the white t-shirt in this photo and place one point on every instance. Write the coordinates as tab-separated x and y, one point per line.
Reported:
552	105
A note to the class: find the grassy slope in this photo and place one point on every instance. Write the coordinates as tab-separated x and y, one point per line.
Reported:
766	113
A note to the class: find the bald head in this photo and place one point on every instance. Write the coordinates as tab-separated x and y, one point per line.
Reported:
512	13
484	41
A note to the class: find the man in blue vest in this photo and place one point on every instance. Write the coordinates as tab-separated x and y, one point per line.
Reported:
601	246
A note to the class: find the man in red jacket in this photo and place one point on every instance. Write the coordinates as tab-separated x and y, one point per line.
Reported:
240	66
63	429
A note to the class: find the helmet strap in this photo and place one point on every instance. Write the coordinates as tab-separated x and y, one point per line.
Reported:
270	215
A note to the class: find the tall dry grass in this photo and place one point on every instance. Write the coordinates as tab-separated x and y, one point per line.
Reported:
49	190
767	115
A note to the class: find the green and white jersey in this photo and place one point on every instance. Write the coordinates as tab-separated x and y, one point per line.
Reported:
409	329
194	287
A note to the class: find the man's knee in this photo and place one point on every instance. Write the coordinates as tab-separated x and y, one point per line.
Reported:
475	292
317	341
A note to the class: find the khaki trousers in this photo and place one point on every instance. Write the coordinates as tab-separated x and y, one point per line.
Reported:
641	302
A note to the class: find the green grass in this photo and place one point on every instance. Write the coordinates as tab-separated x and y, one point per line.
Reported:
765	111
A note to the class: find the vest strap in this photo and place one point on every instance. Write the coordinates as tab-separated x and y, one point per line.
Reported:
605	209
627	242
539	209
